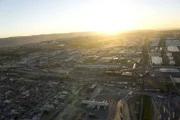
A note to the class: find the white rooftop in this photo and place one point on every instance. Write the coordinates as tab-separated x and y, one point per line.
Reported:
176	79
172	49
156	60
95	103
169	70
127	73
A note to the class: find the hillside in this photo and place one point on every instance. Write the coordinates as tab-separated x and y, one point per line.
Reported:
22	40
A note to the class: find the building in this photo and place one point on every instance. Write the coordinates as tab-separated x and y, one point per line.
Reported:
156	60
88	66
127	74
169	70
94	103
154	42
172	49
92	87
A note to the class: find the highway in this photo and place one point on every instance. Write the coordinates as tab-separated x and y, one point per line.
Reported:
56	114
141	108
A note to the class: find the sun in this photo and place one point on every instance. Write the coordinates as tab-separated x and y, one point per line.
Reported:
113	26
109	18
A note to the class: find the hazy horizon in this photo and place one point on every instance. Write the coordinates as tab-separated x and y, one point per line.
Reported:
31	17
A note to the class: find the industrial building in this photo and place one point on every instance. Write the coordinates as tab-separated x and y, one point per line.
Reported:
156	60
172	49
92	87
98	66
154	42
94	103
169	70
172	42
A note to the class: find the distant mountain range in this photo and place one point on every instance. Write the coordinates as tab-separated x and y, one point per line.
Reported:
22	40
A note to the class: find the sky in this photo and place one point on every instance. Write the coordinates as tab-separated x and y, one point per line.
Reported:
29	17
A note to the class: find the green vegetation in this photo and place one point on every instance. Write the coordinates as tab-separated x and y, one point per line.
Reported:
89	60
147	108
138	113
168	87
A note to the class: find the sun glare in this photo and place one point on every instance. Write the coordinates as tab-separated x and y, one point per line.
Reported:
110	18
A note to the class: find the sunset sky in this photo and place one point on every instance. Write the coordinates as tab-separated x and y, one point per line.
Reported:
28	17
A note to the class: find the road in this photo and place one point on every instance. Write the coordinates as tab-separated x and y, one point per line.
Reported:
112	110
56	114
141	109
